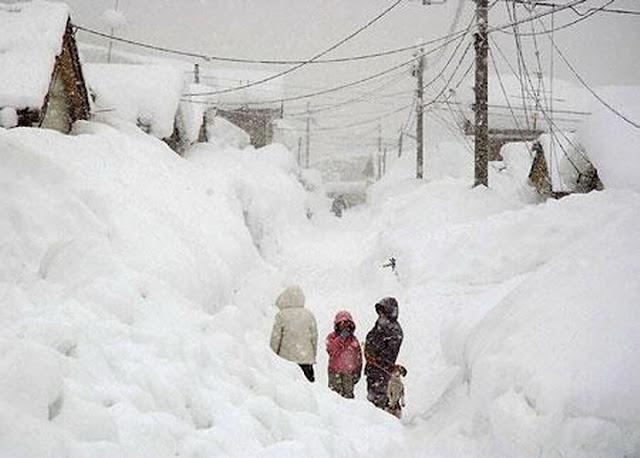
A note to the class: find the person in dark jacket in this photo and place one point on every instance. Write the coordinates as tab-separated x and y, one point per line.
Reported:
381	350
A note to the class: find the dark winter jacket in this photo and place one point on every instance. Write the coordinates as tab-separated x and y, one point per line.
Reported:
383	342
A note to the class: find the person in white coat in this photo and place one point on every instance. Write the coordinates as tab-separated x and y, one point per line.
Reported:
295	336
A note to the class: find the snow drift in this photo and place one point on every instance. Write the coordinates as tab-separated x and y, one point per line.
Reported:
137	305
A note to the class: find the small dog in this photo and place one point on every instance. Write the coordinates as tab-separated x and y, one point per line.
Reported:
395	390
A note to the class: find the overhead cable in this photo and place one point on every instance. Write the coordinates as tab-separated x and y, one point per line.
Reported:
583	17
586	85
364	122
332	89
278	75
317	56
535	3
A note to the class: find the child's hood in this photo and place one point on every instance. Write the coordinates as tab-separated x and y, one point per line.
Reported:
344	316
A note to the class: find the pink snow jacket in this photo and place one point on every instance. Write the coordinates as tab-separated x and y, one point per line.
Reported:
345	355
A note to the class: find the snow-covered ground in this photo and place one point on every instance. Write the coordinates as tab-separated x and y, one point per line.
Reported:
137	292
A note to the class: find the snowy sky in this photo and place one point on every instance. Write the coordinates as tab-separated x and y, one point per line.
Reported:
605	48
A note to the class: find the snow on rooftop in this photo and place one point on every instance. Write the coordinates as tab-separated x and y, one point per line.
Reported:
31	39
611	142
145	94
569	103
212	79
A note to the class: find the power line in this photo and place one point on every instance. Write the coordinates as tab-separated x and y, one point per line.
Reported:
317	56
278	75
521	59
315	59
583	17
211	57
367	121
508	107
506	97
313	94
332	89
535	3
446	85
552	124
360	98
584	83
240	60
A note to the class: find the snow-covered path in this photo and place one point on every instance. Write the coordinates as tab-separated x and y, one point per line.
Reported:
477	249
138	293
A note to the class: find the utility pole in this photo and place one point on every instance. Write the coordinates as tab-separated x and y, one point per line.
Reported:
111	40
196	73
419	115
299	156
481	41
400	142
308	149
379	151
384	161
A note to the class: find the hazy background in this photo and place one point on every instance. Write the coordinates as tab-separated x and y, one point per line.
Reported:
604	48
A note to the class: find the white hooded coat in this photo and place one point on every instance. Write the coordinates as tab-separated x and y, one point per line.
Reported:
294	336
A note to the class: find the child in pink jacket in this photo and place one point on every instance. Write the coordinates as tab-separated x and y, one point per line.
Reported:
345	355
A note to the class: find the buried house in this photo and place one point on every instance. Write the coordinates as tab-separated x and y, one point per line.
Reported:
558	169
538	122
146	95
236	97
41	79
521	113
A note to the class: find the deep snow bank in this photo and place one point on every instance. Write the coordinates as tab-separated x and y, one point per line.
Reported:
611	142
552	369
519	319
136	307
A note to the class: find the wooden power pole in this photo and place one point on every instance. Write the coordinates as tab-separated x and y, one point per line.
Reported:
481	37
308	145
112	31
379	151
384	161
196	73
419	116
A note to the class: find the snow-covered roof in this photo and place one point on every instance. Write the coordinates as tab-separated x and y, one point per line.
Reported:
30	39
611	141
192	111
569	103
138	93
225	134
212	79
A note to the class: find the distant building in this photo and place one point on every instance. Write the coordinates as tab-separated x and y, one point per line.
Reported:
500	136
41	79
222	93
257	122
518	114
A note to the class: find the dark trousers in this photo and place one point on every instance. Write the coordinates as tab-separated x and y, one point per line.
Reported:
377	383
308	371
343	383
